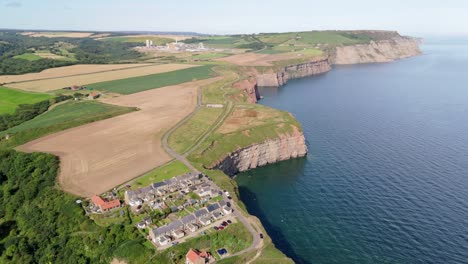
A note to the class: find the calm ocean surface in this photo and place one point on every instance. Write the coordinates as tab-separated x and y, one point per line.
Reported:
386	179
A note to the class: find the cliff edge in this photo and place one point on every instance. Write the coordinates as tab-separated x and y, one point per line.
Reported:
386	50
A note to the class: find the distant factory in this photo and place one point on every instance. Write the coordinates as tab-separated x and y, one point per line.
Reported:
173	47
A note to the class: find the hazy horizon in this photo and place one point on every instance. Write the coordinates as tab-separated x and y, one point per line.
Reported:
419	17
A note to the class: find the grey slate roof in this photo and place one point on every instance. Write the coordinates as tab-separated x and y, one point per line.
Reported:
201	212
157	185
222	203
188	219
212	207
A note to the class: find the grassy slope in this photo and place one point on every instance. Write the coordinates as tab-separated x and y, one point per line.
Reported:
70	114
143	83
169	170
142	40
189	133
10	99
28	56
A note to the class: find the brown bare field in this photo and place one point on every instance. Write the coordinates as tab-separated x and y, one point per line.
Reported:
56	83
58	34
244	117
254	59
66	71
99	156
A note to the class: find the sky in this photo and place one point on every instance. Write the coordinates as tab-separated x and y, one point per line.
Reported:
417	17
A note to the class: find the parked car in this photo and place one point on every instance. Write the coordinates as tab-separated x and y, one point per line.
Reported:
215	228
224	223
229	221
261	236
175	243
221	228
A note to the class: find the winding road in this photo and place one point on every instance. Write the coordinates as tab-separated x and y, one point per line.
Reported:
257	242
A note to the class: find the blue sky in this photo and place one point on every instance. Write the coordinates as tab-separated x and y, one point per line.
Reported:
240	16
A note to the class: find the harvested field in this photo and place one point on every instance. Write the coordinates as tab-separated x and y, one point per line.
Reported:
254	59
56	83
58	34
99	156
66	71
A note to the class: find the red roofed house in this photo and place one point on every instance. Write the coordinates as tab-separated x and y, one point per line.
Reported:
105	205
196	257
93	95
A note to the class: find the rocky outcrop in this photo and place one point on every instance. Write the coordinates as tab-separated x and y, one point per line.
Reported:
270	151
387	50
250	88
280	78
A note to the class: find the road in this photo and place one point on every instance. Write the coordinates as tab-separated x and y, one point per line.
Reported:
257	242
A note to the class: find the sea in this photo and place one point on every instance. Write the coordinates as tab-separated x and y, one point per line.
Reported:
386	177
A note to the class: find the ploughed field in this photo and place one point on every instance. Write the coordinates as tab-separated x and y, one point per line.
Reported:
99	156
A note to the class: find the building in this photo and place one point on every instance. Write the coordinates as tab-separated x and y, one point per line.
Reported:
205	221
191	227
194	256
164	240
178	233
93	95
105	205
227	209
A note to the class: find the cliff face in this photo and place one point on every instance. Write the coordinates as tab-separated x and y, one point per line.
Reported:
250	88
293	71
377	51
270	151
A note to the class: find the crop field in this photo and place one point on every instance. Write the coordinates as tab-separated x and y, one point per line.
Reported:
85	79
70	114
99	156
66	71
257	59
143	83
56	34
157	40
10	99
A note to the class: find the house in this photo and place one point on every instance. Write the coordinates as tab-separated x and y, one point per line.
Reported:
105	205
200	213
164	240
132	198
178	233
191	227
194	256
188	219
93	95
205	221
159	187
217	215
227	209
212	207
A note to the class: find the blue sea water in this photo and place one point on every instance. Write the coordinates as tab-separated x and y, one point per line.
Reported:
386	178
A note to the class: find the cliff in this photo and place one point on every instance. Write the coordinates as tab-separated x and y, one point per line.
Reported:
270	151
280	78
385	50
249	86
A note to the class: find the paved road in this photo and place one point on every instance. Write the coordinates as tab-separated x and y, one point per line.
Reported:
257	242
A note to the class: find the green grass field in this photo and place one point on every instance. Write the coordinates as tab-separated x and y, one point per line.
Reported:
10	99
189	133
28	56
70	114
148	82
172	169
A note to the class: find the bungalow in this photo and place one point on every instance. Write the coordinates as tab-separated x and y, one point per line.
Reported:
194	256
105	205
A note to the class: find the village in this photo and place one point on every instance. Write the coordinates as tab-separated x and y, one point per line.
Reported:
172	211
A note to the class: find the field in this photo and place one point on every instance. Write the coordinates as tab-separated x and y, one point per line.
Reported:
99	156
172	169
143	83
45	85
157	39
28	56
56	34
256	59
66	71
188	134
62	116
10	99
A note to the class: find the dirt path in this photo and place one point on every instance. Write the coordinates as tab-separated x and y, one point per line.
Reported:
99	156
